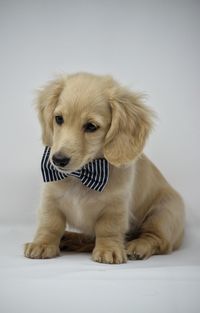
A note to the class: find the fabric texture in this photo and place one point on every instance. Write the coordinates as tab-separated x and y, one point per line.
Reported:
94	175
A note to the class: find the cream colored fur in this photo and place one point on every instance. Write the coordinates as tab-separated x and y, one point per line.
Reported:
138	214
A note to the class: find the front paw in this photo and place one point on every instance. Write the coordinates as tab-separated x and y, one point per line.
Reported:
41	250
115	255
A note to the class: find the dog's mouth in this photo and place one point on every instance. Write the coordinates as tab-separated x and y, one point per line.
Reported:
64	171
68	171
61	169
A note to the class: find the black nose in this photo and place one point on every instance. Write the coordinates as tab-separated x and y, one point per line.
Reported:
60	159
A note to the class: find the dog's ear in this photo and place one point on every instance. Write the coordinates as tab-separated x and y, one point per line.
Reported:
46	103
130	127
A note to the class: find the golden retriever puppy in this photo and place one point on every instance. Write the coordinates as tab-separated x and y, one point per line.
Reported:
86	118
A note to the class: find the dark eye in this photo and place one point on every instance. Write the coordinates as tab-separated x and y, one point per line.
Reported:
59	119
90	128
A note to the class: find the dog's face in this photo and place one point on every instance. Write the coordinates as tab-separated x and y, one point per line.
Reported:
81	121
84	117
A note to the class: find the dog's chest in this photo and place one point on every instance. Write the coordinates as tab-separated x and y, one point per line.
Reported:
79	205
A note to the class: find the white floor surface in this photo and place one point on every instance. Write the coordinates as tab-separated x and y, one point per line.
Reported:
169	283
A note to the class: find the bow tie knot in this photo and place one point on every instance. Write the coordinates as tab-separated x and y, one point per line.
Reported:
94	175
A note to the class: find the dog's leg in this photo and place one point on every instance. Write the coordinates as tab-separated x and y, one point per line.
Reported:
51	227
74	241
110	232
162	229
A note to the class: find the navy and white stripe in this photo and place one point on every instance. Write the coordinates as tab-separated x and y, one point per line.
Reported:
94	175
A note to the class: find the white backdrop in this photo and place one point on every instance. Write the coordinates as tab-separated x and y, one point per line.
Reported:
151	46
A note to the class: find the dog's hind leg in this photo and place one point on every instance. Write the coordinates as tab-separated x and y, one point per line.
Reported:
162	228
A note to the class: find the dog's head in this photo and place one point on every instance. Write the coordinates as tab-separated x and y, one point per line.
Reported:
84	116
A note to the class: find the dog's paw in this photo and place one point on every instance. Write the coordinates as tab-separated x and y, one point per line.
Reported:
40	250
116	255
139	249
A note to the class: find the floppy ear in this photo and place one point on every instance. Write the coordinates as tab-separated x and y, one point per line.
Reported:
130	127
46	103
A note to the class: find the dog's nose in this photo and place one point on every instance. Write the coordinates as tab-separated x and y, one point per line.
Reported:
60	160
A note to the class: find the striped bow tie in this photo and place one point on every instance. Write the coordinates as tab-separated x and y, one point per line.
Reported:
94	175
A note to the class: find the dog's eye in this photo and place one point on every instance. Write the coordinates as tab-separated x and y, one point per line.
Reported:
90	128
59	119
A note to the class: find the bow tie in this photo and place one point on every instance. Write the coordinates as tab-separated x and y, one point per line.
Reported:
94	175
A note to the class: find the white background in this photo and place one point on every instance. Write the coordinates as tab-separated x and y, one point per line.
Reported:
150	46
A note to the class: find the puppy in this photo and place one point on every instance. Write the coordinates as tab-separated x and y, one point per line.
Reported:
85	117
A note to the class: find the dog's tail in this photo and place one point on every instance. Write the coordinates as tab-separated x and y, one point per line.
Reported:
74	241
